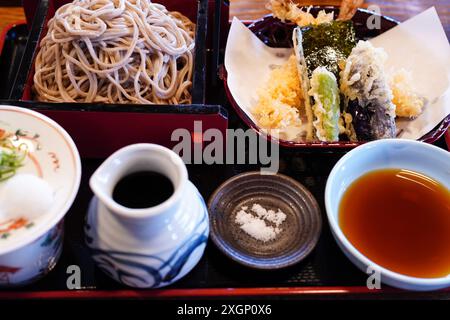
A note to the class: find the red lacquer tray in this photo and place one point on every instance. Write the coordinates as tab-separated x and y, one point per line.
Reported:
326	273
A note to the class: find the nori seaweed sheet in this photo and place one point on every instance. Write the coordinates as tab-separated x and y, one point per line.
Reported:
328	43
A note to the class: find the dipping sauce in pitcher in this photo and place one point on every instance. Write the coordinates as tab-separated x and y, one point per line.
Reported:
143	189
399	219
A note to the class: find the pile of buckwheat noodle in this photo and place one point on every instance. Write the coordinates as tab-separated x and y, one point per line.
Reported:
116	51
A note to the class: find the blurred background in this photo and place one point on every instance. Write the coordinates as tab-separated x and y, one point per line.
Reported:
398	9
401	10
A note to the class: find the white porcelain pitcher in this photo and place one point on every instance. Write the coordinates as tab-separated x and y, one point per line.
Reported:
151	247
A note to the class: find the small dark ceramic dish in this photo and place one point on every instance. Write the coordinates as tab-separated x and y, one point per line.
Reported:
300	231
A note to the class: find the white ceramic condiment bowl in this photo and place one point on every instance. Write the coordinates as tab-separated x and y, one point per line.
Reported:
391	153
29	249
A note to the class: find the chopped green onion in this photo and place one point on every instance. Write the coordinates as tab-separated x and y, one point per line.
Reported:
11	158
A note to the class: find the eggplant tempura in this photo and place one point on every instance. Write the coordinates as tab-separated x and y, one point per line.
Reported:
368	97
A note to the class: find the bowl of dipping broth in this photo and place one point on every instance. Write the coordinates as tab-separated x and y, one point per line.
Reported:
40	173
388	206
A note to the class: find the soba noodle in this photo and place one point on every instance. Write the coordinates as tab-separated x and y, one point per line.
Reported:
116	51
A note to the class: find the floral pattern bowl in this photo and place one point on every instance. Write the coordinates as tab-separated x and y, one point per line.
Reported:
29	249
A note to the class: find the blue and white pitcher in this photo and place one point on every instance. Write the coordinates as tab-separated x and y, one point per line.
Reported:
151	247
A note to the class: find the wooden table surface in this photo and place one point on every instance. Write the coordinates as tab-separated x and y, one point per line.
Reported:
10	15
254	9
398	9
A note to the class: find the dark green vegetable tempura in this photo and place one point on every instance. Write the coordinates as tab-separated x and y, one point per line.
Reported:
324	45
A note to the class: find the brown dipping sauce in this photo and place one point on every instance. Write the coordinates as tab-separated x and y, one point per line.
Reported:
399	219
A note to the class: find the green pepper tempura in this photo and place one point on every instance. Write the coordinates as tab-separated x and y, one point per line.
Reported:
326	108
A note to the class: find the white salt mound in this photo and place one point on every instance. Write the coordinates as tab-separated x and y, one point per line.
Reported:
255	227
25	196
258	225
275	217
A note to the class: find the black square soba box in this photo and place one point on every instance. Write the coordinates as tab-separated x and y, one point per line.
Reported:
98	128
